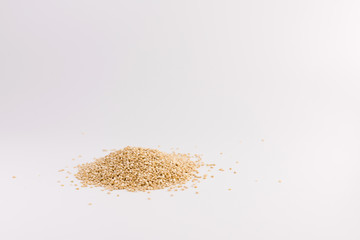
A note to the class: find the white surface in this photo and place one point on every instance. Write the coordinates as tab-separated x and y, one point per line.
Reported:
182	74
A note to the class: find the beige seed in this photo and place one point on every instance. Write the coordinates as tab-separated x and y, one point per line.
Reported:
13	176
280	181
90	204
220	169
61	170
141	169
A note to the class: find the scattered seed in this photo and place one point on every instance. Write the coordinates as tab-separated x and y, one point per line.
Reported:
13	176
171	195
229	189
149	198
90	204
280	181
220	169
61	170
62	185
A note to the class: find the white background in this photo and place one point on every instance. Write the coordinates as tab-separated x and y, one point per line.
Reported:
206	76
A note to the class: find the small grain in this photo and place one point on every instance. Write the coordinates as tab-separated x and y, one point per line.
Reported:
140	169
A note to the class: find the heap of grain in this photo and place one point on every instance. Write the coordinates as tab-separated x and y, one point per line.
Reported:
140	169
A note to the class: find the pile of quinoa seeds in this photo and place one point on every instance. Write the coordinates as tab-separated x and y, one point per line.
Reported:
142	169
